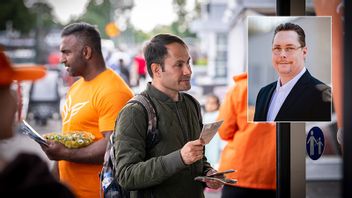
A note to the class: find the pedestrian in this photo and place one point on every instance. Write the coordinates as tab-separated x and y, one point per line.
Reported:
296	95
169	168
27	175
339	137
213	149
92	105
124	71
141	67
251	147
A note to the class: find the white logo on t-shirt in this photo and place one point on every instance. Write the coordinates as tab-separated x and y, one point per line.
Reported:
69	111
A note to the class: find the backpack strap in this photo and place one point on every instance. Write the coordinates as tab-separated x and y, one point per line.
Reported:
108	182
153	136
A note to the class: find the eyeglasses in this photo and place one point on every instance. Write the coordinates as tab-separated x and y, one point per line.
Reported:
288	50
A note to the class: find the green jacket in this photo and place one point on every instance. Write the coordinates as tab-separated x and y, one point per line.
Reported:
159	172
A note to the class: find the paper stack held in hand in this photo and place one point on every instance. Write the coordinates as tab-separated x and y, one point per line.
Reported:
26	129
219	176
209	130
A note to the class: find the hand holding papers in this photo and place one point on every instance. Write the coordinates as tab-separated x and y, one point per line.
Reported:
218	176
209	130
224	181
28	130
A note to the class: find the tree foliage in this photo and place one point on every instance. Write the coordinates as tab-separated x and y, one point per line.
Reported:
24	19
98	13
181	25
16	13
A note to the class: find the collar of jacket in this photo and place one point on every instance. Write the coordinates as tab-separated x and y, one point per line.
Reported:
159	95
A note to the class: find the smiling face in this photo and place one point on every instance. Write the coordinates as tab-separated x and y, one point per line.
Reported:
175	75
288	64
72	55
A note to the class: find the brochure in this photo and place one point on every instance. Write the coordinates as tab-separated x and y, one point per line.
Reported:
224	181
222	173
218	176
209	130
30	132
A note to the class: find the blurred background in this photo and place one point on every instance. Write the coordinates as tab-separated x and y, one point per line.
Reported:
215	30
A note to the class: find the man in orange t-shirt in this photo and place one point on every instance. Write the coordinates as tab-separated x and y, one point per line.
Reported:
251	147
92	105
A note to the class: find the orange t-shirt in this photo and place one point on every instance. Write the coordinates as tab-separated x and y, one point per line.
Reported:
91	106
251	148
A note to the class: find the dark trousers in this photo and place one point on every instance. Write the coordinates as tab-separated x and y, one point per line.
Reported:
238	192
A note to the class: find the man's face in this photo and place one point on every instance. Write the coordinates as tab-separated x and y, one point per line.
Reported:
72	55
290	59
177	71
8	106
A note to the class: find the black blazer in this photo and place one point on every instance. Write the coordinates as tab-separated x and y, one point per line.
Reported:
309	100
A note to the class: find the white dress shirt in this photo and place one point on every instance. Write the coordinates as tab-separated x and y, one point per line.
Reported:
280	94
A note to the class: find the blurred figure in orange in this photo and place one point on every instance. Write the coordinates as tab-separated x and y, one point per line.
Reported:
251	147
27	175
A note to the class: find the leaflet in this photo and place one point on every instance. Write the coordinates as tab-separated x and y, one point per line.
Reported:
209	130
222	173
30	132
224	181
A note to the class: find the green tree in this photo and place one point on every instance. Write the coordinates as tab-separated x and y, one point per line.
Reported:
14	12
25	19
42	25
181	25
98	13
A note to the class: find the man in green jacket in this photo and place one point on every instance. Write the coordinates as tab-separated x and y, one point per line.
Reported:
167	169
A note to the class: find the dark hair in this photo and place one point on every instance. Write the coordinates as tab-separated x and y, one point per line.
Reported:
155	51
86	33
292	27
217	100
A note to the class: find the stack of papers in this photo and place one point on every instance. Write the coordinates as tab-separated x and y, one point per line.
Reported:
209	130
219	176
30	132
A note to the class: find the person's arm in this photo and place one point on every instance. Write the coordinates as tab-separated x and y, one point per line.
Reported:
228	114
55	171
93	153
132	170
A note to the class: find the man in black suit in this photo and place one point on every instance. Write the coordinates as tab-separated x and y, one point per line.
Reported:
296	95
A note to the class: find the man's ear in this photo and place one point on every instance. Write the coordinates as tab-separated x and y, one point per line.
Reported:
156	69
305	51
87	52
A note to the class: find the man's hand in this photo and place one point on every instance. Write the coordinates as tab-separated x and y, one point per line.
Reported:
192	151
56	151
214	184
91	154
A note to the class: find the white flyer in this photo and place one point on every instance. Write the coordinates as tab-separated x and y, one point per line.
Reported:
209	130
